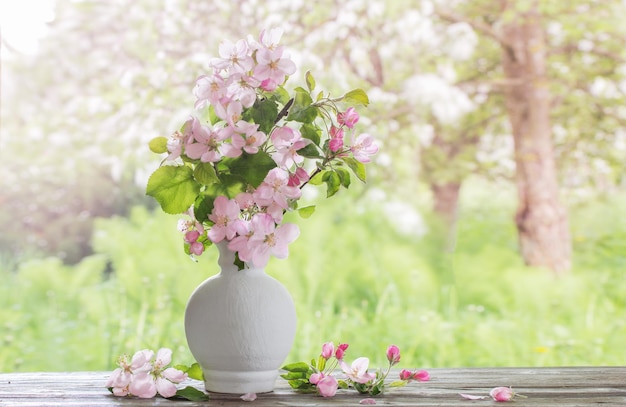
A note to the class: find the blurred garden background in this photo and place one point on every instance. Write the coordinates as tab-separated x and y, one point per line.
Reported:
491	231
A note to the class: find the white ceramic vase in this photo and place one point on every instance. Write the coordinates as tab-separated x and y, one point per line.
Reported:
240	326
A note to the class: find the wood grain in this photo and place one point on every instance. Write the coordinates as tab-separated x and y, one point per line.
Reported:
545	387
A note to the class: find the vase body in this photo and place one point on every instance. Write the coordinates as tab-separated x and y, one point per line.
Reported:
240	326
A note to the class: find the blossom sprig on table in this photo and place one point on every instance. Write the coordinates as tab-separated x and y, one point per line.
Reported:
241	162
146	376
318	376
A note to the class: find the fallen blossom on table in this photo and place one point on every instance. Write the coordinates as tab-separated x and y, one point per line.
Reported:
248	397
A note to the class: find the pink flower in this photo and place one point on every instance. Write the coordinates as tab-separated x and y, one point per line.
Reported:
367	402
233	56
248	137
270	39
316	377
336	139
327	350
208	89
225	214
287	142
349	118
327	386
144	378
276	189
363	147
206	144
501	393
341	350
357	372
267	240
393	354
271	64
419	375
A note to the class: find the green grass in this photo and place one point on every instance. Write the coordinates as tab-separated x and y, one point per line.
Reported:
354	278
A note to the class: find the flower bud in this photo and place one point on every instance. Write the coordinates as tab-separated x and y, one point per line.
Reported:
327	350
393	354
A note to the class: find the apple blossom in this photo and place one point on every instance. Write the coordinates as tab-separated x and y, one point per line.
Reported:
363	147
357	371
348	118
225	214
267	240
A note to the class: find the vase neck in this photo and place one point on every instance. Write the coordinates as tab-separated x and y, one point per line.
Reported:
226	259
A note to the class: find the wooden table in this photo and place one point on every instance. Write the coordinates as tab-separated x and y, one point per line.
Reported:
545	387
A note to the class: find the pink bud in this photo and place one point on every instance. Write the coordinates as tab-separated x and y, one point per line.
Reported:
269	85
196	248
335	144
302	174
327	350
336	132
405	374
315	378
341	349
192	236
501	393
421	376
393	354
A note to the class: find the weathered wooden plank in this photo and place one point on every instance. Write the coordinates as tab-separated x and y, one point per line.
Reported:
546	387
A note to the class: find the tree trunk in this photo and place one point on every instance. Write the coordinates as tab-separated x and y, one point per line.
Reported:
446	197
541	219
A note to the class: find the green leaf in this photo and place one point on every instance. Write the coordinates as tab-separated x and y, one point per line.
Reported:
229	186
173	187
192	394
281	95
205	174
263	113
195	372
357	97
310	151
294	375
249	167
203	206
344	176
307	211
301	110
310	81
296	367
357	167
318	178
333	183
311	132
158	145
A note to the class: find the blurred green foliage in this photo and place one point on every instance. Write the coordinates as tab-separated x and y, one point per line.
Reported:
354	278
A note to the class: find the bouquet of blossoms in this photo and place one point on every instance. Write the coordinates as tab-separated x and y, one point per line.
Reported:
239	163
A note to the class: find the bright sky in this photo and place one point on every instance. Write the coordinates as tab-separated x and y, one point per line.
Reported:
22	22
